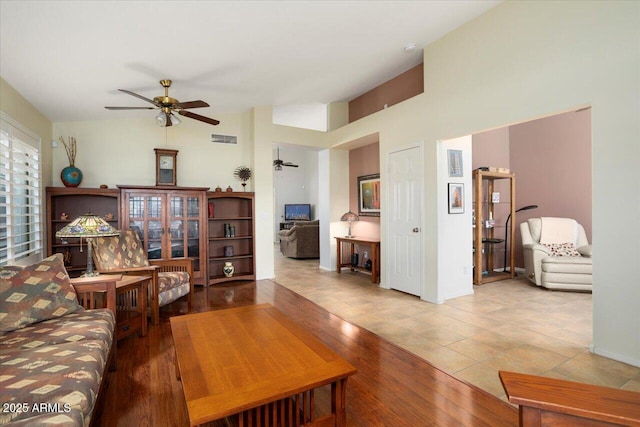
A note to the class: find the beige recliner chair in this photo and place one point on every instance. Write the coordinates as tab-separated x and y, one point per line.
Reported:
557	254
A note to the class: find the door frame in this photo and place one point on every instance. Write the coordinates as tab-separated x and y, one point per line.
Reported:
386	215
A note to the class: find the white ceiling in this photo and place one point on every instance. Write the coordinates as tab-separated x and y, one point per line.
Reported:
69	57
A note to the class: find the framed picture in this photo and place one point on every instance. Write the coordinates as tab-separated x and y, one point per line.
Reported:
456	198
455	162
369	195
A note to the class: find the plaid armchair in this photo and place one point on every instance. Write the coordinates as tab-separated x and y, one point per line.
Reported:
125	254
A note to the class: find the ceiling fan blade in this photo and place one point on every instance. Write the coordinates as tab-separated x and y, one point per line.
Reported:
129	108
198	117
192	104
291	165
140	96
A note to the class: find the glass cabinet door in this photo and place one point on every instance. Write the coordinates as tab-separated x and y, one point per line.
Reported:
169	223
185	228
145	218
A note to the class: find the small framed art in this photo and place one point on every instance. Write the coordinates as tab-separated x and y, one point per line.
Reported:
456	198
369	195
455	162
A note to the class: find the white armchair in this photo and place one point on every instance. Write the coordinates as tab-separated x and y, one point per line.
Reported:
557	254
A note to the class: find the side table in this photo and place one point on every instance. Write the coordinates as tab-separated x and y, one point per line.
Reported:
131	305
130	300
374	244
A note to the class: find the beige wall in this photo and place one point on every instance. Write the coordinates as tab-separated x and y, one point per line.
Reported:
526	60
12	103
120	151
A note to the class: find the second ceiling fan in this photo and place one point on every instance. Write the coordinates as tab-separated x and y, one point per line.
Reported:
167	106
277	164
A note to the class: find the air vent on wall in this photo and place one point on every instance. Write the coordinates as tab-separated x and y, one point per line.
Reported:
224	139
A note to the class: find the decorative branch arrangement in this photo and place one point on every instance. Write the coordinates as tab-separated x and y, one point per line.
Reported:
71	150
243	173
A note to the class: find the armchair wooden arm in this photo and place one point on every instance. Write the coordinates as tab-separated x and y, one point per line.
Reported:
174	264
549	401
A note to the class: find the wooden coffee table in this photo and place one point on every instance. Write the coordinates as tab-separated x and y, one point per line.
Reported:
257	364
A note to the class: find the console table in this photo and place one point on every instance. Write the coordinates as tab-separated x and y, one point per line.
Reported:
374	252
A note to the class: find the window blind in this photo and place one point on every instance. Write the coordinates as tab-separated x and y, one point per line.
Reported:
21	219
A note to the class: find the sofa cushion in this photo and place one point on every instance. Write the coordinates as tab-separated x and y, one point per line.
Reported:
66	375
83	324
306	223
35	293
58	362
171	286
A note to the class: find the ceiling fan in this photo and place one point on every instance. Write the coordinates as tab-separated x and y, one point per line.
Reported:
167	106
278	164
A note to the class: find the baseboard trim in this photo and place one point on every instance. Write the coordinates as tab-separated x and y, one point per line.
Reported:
610	355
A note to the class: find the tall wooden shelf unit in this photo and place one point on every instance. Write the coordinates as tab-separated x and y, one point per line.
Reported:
171	222
237	210
75	202
487	241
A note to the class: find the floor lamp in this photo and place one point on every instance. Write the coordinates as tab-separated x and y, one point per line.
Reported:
506	232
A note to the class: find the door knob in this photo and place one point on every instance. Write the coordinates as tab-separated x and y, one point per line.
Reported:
416	230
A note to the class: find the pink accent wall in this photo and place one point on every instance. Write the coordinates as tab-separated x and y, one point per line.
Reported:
400	88
551	159
363	161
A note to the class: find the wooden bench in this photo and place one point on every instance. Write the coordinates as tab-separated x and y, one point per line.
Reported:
552	402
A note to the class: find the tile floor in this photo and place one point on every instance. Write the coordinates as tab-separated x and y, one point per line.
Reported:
507	325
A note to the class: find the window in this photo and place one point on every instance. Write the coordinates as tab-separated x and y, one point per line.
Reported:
20	194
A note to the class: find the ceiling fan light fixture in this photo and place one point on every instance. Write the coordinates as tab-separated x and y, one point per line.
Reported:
167	106
278	167
167	119
161	119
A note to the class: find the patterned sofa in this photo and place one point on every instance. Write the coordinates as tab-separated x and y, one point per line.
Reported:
53	351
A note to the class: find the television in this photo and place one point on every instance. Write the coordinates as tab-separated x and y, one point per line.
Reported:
297	212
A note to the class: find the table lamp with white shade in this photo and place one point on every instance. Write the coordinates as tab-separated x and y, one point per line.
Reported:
350	217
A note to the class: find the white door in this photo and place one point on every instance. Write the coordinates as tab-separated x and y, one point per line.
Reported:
405	220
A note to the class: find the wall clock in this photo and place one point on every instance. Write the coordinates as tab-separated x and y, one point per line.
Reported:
166	166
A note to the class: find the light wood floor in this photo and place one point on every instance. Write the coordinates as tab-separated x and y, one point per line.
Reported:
393	387
508	325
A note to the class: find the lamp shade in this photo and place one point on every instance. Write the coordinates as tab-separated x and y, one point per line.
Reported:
161	119
350	216
166	119
88	225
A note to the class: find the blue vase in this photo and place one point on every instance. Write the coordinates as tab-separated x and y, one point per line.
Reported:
71	176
